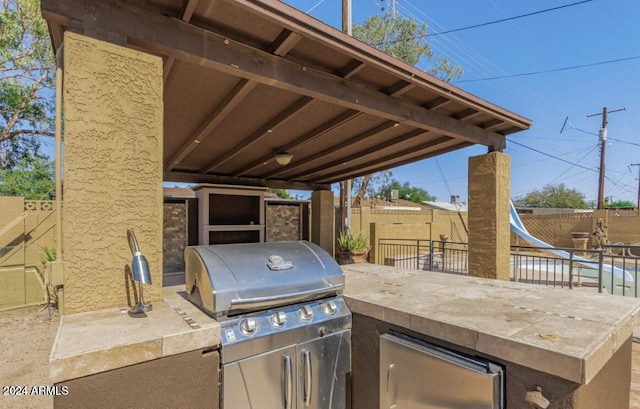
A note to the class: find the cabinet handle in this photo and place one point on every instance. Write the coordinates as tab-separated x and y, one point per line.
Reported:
307	379
288	382
391	386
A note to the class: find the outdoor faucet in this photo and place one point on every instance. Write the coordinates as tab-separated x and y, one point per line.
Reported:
536	399
141	273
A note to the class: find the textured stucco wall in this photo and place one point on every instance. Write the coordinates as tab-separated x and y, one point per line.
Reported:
323	220
113	115
489	188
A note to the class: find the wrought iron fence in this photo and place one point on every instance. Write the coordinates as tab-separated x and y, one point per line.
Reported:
613	269
433	255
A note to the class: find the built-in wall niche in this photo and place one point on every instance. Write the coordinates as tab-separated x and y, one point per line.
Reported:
228	237
230	214
234	209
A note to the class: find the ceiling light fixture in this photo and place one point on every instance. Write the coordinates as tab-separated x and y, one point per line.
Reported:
284	158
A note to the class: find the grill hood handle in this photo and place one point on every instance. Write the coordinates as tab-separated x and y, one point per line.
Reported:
259	302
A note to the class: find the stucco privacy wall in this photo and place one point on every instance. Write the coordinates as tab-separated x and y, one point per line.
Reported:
622	226
113	113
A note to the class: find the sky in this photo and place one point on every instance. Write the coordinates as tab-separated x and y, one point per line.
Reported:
587	34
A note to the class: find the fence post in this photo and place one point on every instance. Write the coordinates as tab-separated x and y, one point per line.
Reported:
600	268
571	269
430	255
417	254
444	254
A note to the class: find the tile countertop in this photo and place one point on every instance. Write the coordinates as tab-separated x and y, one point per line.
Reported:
571	334
97	341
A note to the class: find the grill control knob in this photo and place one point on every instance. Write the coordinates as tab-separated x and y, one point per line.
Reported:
305	313
329	308
248	326
279	319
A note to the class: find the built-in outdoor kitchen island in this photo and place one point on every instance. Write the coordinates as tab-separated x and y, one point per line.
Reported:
256	93
574	346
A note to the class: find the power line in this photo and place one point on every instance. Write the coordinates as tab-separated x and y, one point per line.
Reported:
554	157
627	142
489	23
571	167
552	70
507	19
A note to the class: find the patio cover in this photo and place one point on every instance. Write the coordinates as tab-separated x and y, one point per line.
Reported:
245	80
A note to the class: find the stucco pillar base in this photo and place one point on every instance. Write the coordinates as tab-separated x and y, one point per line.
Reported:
489	240
323	220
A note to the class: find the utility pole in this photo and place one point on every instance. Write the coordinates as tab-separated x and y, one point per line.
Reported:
638	164
345	187
603	146
346	16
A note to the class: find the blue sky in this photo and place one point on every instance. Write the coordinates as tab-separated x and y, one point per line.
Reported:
584	34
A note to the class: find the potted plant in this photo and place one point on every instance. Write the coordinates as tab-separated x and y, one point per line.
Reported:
353	249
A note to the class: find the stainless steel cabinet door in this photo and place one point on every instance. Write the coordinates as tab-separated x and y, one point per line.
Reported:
323	365
416	375
265	381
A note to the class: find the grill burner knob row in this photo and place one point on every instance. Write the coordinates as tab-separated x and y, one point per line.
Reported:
279	319
329	308
305	313
248	326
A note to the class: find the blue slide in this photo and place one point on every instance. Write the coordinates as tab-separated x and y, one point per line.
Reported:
621	277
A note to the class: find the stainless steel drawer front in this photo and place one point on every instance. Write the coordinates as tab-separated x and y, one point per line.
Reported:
417	375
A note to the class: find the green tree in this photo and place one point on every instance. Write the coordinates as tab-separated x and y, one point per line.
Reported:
30	178
406	192
368	185
404	39
282	193
553	196
619	204
26	81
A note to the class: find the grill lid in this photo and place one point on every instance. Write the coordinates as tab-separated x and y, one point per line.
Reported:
228	279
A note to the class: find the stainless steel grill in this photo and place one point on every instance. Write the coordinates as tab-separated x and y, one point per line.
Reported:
286	331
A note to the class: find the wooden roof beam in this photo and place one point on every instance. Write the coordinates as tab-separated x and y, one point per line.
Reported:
187	12
188	177
173	38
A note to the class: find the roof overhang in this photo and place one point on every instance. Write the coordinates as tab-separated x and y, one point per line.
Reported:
246	80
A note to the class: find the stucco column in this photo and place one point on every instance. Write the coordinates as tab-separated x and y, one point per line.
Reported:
489	239
323	219
113	123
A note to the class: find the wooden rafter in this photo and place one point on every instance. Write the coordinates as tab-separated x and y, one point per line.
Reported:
370	151
263	131
304	139
333	149
442	145
239	92
284	43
